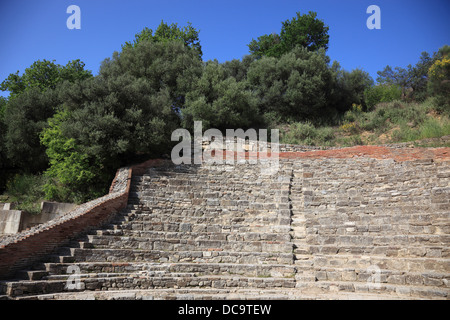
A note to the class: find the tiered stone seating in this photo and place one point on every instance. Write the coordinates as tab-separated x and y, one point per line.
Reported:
318	229
185	227
383	229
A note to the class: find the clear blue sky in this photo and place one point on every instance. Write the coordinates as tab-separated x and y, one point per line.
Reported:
36	30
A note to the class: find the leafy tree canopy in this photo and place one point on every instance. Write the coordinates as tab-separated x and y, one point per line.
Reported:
44	75
188	35
25	117
294	86
71	175
130	108
439	79
3	102
348	87
33	99
303	30
413	77
219	100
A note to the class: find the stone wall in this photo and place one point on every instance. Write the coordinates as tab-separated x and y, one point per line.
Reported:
10	221
15	221
49	211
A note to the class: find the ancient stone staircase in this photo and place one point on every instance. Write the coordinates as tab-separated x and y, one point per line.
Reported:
183	228
371	226
328	229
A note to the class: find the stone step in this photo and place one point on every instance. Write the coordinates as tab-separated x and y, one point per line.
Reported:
32	274
196	183
142	273
203	225
370	216
81	244
63	258
217	294
379	240
392	249
300	250
190	205
214	255
176	227
375	275
189	210
185	245
268	219
14	288
255	270
406	264
384	289
356	219
187	235
386	229
206	175
152	199
400	251
173	294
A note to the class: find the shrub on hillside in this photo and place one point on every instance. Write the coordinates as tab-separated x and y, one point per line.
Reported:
381	93
439	80
305	133
25	190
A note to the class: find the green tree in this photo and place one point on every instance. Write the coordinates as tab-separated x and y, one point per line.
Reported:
419	76
44	75
439	79
25	116
303	30
382	93
295	86
3	102
33	99
268	45
4	163
72	176
348	87
238	69
220	101
188	35
412	80
398	76
125	114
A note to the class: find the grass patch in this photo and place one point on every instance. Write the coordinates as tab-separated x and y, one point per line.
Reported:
432	128
26	192
390	122
305	133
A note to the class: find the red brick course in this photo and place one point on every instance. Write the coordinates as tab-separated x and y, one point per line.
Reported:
375	152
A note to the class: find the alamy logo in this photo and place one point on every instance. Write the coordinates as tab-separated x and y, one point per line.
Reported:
73	281
374	21
229	151
74	20
374	279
